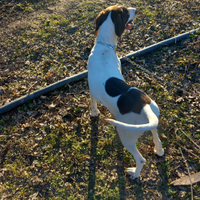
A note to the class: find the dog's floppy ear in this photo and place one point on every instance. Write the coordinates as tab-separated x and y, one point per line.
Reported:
100	19
102	16
120	18
119	25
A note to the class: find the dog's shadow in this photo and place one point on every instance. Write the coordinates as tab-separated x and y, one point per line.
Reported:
93	162
136	186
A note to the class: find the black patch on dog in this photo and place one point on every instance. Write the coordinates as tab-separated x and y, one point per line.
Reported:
132	100
115	87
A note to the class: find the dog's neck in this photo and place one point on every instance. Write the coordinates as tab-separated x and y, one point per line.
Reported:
106	33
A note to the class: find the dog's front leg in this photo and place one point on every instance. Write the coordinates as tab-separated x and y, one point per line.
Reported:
94	110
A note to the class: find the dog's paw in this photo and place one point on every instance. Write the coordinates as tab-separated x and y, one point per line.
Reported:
95	113
159	151
131	171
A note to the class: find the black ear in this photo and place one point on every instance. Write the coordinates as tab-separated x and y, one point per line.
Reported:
120	17
119	24
100	19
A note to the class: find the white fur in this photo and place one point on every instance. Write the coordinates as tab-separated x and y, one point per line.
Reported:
103	63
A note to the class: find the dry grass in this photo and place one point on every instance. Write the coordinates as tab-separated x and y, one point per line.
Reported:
49	147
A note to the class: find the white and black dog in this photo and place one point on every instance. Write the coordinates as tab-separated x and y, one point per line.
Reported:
134	111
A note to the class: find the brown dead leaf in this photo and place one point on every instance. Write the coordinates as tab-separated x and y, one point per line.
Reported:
179	99
43	97
180	172
33	196
186	180
52	105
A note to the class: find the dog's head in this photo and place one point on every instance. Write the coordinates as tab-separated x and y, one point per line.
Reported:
121	18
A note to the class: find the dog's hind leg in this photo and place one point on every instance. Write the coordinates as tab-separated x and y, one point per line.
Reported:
128	139
140	161
94	110
158	146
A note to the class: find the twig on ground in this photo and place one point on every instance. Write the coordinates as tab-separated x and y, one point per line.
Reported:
188	151
190	139
189	118
178	137
31	86
188	173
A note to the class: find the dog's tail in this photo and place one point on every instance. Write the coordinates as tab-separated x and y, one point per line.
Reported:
153	121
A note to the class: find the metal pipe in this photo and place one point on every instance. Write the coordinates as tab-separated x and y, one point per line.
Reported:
163	43
36	94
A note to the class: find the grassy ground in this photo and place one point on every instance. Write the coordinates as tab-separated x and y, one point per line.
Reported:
50	148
